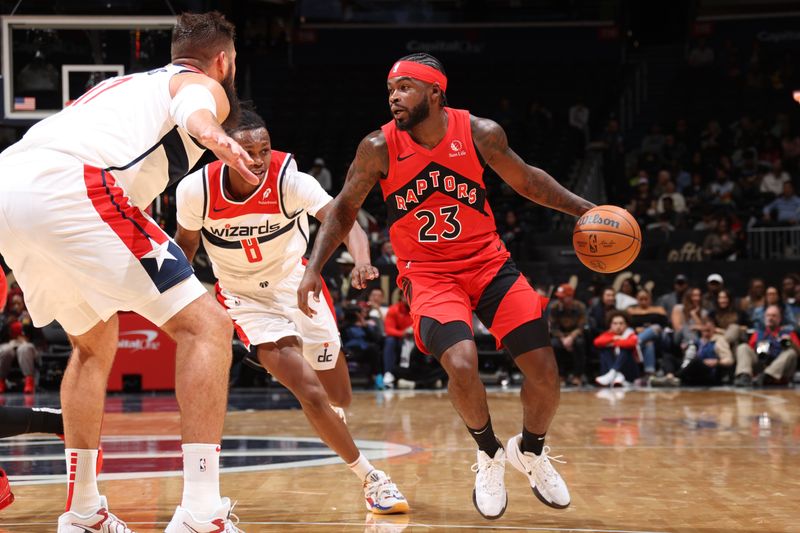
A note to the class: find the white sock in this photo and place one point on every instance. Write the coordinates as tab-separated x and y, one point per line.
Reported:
201	479
83	498
361	467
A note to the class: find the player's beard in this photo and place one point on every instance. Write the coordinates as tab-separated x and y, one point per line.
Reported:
415	116
229	85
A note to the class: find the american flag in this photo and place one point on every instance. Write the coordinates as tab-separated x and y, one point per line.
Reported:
24	103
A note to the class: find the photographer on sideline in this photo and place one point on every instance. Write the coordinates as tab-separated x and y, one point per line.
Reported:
773	348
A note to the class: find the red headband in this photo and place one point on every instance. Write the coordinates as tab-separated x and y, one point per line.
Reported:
418	71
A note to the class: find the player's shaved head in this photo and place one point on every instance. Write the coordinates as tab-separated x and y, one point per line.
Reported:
201	36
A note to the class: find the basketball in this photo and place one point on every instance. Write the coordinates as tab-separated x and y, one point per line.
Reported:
607	239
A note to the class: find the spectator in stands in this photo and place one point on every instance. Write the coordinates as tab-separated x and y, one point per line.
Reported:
617	348
653	142
714	284
732	321
790	293
376	310
579	120
539	122
399	329
600	310
649	321
641	204
512	232
387	257
785	209
346	264
773	348
676	152
772	297
567	322
671	299
788	286
678	201
720	243
707	359
711	139
361	341
701	55
668	220
322	174
626	296
696	193
723	191
19	346
755	298
687	316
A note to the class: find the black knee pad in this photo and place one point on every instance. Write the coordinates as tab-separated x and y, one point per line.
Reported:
528	336
438	337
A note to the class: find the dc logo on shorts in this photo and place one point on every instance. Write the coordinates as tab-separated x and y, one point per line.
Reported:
202	464
325	357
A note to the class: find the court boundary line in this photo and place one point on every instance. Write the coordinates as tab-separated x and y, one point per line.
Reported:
389	523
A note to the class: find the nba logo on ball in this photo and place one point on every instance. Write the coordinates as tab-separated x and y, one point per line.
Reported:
607	239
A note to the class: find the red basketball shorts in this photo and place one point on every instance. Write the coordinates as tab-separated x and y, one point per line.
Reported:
488	285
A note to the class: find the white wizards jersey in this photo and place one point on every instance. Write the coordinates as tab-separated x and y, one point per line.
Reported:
122	125
256	242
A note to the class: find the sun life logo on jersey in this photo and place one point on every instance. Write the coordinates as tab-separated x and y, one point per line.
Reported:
457	148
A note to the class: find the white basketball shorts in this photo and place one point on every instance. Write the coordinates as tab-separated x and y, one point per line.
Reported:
80	250
271	314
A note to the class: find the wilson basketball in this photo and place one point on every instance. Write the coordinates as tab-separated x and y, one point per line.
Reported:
607	239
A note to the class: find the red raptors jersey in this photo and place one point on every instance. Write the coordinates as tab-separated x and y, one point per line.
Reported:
436	199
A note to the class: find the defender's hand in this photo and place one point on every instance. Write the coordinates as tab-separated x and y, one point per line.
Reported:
311	283
361	274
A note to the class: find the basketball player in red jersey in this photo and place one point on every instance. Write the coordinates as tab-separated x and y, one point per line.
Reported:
429	161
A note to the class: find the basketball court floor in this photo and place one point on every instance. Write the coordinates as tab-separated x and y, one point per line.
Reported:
690	461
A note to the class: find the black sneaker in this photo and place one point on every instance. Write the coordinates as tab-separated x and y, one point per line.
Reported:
743	380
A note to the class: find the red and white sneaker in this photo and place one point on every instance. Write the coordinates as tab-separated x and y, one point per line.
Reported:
222	521
101	521
382	496
6	496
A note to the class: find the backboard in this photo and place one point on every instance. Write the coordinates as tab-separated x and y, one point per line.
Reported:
49	60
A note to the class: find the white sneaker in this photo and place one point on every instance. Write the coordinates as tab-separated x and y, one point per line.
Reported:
101	521
619	380
222	521
546	483
381	496
388	380
606	379
489	495
339	412
406	384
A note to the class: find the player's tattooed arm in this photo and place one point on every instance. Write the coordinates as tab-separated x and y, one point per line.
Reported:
357	243
370	164
188	241
529	181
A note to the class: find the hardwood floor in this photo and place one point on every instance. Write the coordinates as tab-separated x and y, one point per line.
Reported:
688	461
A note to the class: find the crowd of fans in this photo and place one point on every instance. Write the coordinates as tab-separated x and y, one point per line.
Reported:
687	336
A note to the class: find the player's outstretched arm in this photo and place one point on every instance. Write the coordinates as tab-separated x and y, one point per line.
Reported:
188	241
357	244
199	105
533	183
371	162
